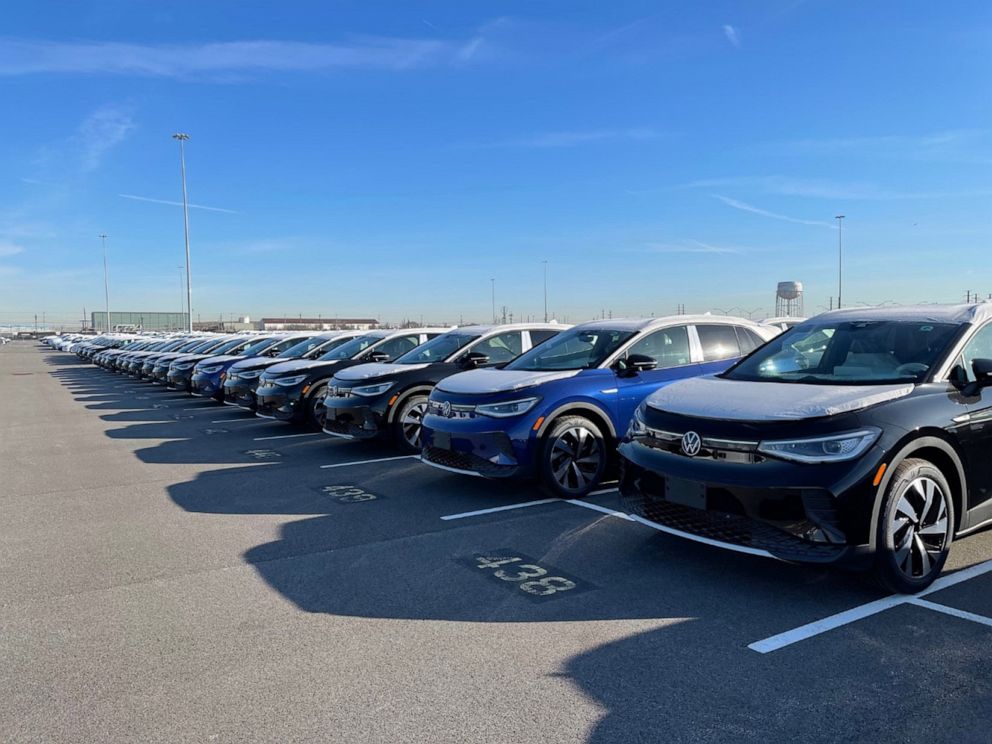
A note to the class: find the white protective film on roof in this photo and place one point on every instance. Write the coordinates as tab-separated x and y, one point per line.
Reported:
739	400
971	313
481	381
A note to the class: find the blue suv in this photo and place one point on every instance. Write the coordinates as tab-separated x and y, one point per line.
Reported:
558	410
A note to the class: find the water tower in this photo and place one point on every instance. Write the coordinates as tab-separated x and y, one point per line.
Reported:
789	300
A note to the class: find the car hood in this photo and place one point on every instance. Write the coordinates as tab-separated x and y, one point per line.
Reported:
189	358
300	365
375	369
222	359
478	381
256	363
738	400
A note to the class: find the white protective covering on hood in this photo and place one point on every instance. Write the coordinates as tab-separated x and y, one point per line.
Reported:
478	381
739	400
374	369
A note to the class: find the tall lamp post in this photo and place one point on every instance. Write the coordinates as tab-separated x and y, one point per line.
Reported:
493	282
106	283
840	257
545	291
182	165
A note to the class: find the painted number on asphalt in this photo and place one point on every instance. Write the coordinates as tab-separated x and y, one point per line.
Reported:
214	431
263	454
347	494
520	573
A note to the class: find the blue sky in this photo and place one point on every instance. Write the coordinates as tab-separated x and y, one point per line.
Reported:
389	158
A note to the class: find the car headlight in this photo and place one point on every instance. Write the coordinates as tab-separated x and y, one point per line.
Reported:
507	409
370	391
288	381
210	369
184	366
835	448
250	374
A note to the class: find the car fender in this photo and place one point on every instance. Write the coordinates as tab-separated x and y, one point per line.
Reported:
403	395
577	406
914	443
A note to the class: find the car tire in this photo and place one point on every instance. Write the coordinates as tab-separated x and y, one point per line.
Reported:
915	527
573	458
408	424
314	411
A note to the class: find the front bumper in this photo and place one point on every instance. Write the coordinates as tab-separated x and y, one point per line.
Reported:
348	417
178	379
206	386
275	401
240	393
487	453
789	511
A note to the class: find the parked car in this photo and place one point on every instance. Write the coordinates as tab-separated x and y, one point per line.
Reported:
860	438
784	322
368	400
557	411
160	363
243	376
180	373
208	376
131	364
150	361
295	390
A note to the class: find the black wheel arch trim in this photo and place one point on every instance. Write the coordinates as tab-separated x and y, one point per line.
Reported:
403	395
577	409
906	451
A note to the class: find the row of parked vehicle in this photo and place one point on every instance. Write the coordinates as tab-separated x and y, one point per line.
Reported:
859	438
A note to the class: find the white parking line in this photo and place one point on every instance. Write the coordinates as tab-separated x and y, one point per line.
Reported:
601	491
494	509
597	507
963	614
238	421
366	462
288	436
775	642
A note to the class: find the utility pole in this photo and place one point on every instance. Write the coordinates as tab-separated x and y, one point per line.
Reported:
106	282
840	258
545	291
182	165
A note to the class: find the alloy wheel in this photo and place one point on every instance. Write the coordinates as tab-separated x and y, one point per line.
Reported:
319	412
575	458
412	423
919	527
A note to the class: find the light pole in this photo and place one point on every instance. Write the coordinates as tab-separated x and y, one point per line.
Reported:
106	283
840	257
182	165
545	291
493	282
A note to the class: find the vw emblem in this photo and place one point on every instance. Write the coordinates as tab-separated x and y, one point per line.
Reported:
691	444
446	409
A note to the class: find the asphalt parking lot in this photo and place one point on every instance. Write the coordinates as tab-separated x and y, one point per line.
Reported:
176	570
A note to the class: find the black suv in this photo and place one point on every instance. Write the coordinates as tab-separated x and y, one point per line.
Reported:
860	437
295	390
370	399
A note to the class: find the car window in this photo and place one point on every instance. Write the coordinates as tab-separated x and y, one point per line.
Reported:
437	349
980	347
502	348
579	348
349	350
749	340
539	336
396	347
669	347
718	342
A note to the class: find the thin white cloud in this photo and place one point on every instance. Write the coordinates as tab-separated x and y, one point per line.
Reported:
100	132
691	246
736	204
219	59
827	189
176	203
9	249
732	35
575	138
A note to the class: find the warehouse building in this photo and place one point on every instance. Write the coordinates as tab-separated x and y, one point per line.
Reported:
317	324
143	321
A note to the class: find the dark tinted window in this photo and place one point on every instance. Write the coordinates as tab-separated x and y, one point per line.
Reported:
540	336
396	347
718	342
748	339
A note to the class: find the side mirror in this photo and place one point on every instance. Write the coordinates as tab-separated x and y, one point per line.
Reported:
377	356
983	371
634	364
474	359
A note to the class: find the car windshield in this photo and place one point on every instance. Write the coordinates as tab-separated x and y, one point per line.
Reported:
437	349
579	348
191	345
226	347
873	352
258	346
300	348
354	347
326	346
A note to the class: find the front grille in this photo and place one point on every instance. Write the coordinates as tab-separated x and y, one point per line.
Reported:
710	448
